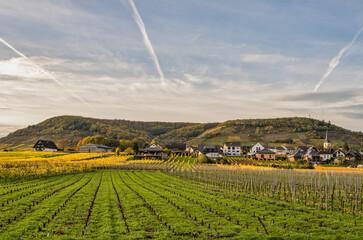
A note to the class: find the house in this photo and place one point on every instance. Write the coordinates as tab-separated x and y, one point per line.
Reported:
152	152
94	148
177	147
353	156
265	154
245	150
45	146
288	149
312	156
211	151
232	149
297	155
277	150
339	153
255	148
191	149
326	154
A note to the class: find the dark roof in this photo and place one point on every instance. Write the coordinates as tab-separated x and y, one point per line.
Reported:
233	144
209	148
276	148
298	153
97	145
46	144
265	151
289	148
326	151
353	154
304	148
312	153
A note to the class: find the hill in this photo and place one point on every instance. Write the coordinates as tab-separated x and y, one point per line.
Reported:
277	131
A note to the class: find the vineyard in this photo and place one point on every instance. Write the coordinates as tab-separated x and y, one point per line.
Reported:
97	196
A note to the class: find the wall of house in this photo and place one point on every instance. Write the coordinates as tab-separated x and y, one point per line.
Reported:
265	156
232	151
257	147
92	149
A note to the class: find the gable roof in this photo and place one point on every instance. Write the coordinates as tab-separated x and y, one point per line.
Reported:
304	148
209	148
46	144
298	153
312	153
152	148
289	148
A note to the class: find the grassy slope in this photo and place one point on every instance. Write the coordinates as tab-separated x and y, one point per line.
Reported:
272	131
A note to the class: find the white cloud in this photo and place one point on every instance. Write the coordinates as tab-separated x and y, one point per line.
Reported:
21	67
266	58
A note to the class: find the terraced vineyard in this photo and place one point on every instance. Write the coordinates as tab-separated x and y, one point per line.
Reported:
127	204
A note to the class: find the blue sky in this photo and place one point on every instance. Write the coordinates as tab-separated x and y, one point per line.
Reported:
221	60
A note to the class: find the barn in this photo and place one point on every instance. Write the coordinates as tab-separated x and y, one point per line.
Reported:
45	146
94	148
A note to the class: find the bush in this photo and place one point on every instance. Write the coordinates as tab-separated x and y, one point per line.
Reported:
129	150
202	159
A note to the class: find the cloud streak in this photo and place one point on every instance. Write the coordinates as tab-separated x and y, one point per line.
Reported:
43	71
335	61
147	41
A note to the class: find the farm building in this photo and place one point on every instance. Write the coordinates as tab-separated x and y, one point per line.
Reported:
152	152
45	146
94	148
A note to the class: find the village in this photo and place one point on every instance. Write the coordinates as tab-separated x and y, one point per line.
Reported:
258	151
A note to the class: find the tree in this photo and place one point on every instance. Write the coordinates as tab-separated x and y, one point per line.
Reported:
168	151
202	158
79	144
345	146
129	150
63	143
117	152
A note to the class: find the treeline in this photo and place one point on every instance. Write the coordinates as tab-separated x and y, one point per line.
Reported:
123	144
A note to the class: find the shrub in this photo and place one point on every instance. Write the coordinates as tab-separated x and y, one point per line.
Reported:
202	158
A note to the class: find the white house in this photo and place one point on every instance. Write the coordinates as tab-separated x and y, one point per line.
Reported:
325	154
232	149
211	151
256	148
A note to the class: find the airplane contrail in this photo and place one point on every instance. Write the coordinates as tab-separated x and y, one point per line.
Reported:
48	74
147	42
335	61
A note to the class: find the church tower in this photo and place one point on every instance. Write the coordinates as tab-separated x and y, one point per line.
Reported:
327	143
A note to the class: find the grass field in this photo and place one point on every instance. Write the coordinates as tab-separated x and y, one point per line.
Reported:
150	204
98	196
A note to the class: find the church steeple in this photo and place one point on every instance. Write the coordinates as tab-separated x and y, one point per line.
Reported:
327	143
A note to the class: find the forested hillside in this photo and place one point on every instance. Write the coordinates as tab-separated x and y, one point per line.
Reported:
292	131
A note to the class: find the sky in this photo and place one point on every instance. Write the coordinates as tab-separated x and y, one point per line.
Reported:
190	60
